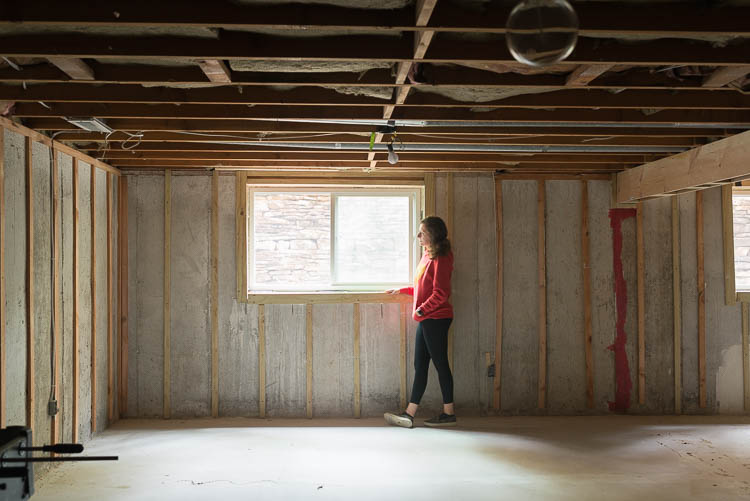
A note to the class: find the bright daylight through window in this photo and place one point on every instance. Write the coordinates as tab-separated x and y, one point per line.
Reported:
349	239
741	227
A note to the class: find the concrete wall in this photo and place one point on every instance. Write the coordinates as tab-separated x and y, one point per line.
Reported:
474	298
15	247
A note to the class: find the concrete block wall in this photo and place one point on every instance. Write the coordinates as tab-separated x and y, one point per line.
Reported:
472	198
15	321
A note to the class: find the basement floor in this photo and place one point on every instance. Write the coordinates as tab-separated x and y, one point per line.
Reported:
519	458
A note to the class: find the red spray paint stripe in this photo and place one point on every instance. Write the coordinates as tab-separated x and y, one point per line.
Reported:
623	384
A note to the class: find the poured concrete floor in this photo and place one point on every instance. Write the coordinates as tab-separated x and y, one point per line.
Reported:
520	458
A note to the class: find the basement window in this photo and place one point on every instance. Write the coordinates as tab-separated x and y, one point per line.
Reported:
335	238
741	230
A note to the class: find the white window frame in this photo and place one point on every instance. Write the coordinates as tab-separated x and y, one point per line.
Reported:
416	209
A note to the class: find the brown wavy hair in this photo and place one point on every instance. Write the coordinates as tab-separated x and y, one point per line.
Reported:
438	235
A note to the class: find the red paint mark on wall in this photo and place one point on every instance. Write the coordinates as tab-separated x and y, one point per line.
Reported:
623	384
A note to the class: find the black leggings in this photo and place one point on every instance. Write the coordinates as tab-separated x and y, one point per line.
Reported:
432	343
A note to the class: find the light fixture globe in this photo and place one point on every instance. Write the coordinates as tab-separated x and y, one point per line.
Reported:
541	32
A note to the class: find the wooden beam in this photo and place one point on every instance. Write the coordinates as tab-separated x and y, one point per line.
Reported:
56	419
542	295
677	305
309	353
73	67
716	162
92	374
641	292
76	291
586	264
727	216
262	360
497	382
30	315
122	260
167	411
215	294
701	300
3	346
724	75
448	195
357	389
585	73
216	70
110	323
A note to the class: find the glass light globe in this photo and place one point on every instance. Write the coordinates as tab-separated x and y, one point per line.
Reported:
541	32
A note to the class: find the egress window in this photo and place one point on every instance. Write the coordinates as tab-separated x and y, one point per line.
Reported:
741	227
323	238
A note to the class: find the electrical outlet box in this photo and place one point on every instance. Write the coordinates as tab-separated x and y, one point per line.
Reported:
491	370
52	407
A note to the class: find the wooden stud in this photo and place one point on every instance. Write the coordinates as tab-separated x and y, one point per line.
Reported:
3	354
701	300
215	294
262	360
110	331
30	328
448	197
93	299
497	385
122	260
641	306
727	216
76	361
677	305
542	281
357	390
309	313
429	194
167	292
402	356
241	244
746	355
586	262
73	67
56	294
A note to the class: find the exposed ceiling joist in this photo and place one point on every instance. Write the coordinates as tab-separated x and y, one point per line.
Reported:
215	70
586	73
718	162
74	68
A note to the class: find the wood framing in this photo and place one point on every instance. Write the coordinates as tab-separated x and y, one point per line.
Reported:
402	356
30	327
677	305
110	323
497	381
73	67
76	291
586	272
122	261
724	75
3	349
717	162
309	353
746	356
56	419
94	386
240	235
727	216
586	73
641	292
216	70
215	294
448	201
542	283
262	360
167	411
429	194
701	300
357	389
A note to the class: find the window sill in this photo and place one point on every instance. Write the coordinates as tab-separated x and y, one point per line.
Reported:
326	298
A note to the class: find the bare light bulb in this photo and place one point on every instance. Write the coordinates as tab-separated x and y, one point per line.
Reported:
541	32
392	157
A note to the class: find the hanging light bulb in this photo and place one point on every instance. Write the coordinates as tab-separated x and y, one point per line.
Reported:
392	157
541	32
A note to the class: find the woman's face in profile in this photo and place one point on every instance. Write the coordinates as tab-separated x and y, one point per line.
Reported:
424	240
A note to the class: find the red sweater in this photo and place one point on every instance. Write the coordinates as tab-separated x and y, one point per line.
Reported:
432	287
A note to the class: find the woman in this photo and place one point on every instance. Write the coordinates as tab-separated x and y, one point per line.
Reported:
431	291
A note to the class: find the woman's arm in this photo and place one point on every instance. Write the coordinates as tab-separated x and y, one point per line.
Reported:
441	285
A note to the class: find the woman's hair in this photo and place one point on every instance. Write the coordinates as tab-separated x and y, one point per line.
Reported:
438	235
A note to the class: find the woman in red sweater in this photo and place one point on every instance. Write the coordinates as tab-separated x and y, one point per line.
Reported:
431	291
